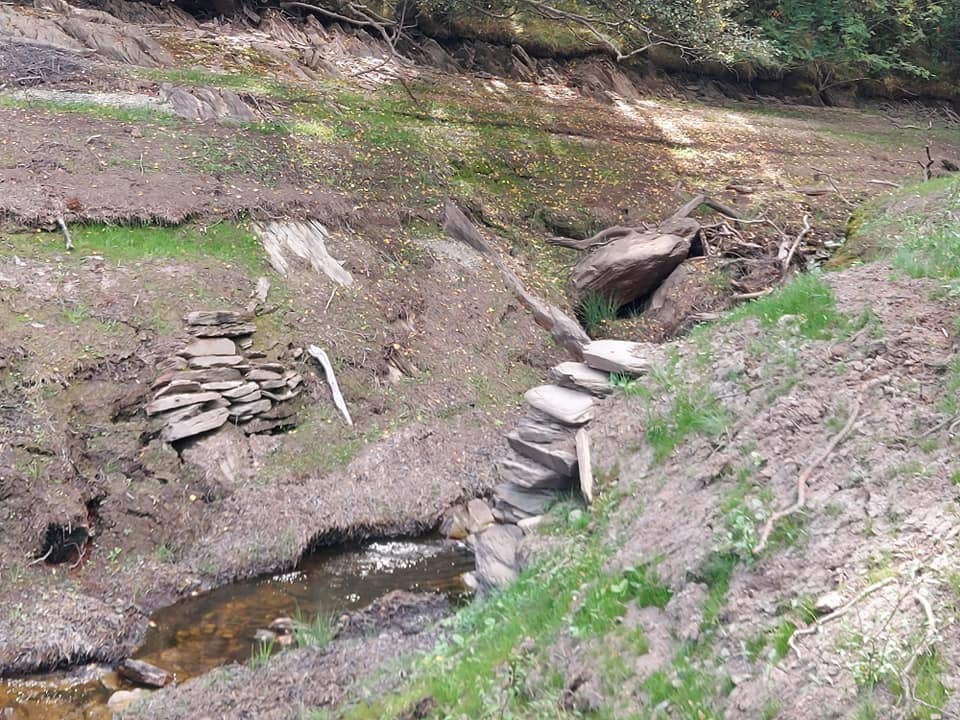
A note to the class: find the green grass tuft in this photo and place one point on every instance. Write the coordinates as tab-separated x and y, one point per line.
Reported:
314	633
596	310
807	298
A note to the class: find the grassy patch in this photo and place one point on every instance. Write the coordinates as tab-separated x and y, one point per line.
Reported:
225	241
806	303
133	115
677	407
606	602
686	690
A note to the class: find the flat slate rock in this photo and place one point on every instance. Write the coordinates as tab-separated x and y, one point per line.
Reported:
239	410
580	376
170	364
209	346
215	317
561	457
622	356
230	330
203	422
177	387
280	396
172	402
538	427
209	361
240	390
222	385
216	374
248	398
562	404
529	474
523	502
259	375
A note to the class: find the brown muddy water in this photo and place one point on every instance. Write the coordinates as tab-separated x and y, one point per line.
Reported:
216	628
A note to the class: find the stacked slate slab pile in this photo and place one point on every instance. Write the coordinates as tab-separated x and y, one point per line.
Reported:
542	461
219	378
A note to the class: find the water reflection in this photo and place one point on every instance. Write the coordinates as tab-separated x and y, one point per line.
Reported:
217	627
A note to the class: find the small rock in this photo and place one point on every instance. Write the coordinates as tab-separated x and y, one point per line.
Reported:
283	625
528	525
229	330
561	457
536	427
215	317
248	398
143	673
222	385
122	699
480	515
829	602
264	636
496	555
285	640
455	523
273	384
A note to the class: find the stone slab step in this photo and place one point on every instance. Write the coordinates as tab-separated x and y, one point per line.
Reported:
539	427
208	361
561	457
562	404
622	356
582	377
529	474
520	501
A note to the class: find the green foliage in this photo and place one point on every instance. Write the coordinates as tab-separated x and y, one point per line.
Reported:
807	299
705	29
692	408
844	40
595	310
931	248
607	600
685	690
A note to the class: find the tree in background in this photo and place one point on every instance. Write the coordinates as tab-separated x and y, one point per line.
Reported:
844	41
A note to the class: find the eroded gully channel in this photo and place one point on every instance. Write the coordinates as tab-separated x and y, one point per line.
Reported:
216	628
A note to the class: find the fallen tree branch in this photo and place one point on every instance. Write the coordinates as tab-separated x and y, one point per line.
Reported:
690	206
927	174
604	237
338	400
793	248
564	330
804	478
66	233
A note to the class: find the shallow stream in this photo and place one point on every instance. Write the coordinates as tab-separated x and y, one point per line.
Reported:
216	628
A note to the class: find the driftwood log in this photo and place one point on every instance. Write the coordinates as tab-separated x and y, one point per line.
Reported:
565	330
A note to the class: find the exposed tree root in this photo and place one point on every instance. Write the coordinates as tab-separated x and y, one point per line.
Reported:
814	628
